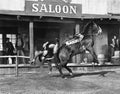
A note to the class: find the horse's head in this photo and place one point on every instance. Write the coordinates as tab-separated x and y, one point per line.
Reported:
96	29
91	28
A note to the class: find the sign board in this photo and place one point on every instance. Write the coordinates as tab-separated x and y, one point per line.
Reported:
54	9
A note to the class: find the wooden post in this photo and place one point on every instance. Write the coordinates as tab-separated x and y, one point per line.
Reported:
119	41
77	29
16	61
31	40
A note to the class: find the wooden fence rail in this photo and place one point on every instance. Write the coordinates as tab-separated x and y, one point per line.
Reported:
16	61
16	65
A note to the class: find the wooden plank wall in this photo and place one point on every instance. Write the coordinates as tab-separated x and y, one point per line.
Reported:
114	6
99	6
13	5
93	6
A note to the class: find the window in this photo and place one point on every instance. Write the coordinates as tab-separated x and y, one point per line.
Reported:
12	38
1	42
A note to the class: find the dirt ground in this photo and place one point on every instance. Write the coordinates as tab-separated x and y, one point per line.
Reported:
40	82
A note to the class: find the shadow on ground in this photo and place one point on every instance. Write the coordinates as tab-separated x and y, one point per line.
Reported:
101	73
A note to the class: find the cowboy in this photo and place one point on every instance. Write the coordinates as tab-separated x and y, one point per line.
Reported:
49	49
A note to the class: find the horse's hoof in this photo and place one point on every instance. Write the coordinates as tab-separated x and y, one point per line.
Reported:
49	72
71	74
65	78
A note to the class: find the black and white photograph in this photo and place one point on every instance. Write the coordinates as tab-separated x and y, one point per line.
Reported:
59	46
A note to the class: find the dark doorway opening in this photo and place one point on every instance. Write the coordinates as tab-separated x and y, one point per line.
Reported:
46	31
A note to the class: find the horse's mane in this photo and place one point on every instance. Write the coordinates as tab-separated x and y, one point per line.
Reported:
86	27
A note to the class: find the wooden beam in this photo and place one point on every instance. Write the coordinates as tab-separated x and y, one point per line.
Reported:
31	40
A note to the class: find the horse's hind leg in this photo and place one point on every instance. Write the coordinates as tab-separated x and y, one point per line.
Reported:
70	71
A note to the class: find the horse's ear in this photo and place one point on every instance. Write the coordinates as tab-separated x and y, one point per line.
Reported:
93	23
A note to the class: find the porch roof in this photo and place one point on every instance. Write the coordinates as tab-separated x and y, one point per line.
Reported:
94	16
82	16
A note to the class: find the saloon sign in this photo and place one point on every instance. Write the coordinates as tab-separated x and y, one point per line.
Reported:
56	9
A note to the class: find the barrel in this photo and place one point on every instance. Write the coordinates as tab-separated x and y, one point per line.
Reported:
117	53
101	58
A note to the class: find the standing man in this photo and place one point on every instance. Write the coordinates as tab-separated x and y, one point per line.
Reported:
9	49
114	45
48	54
19	47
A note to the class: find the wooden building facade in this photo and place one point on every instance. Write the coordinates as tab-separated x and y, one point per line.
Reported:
42	20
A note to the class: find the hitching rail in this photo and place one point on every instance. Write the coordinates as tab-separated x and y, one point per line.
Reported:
16	61
16	65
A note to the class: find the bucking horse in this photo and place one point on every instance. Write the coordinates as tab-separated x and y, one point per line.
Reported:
79	43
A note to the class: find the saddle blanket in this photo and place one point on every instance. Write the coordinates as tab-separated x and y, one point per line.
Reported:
72	41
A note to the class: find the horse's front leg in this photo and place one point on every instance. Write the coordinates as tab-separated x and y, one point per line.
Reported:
92	52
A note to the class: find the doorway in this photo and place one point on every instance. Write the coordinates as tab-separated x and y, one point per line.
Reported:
44	32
